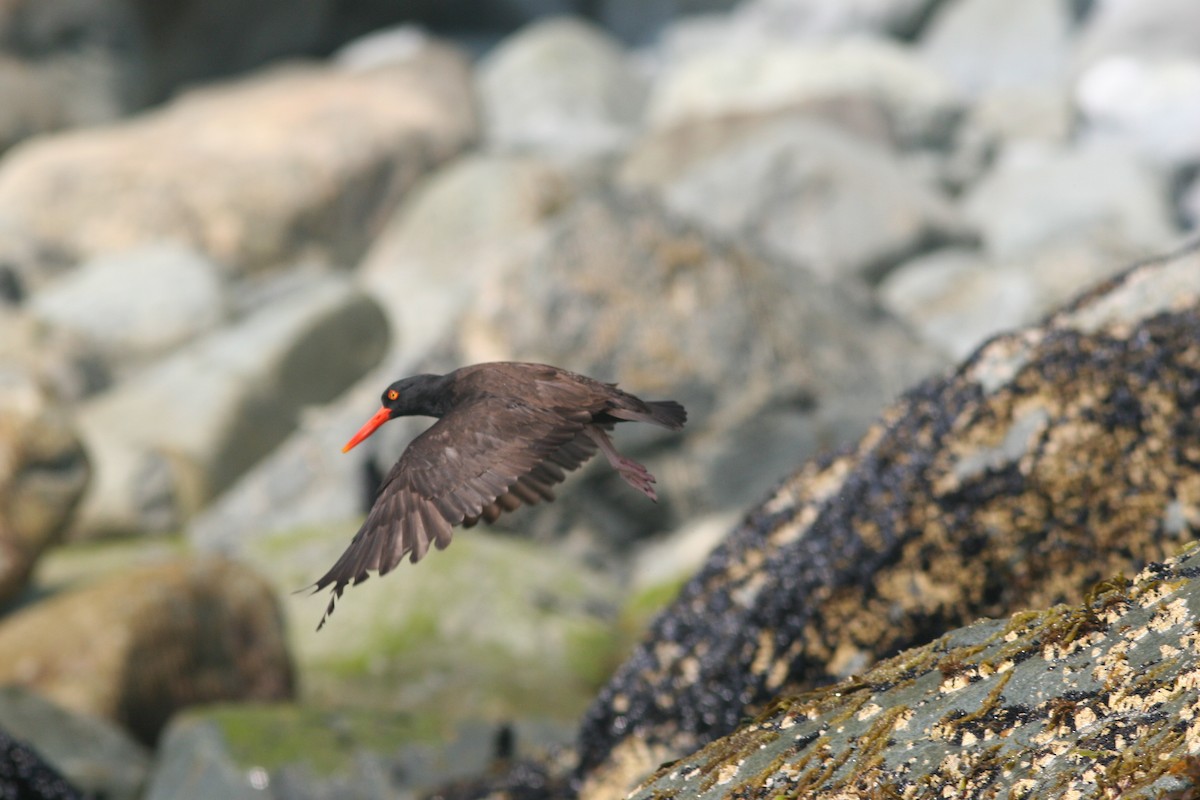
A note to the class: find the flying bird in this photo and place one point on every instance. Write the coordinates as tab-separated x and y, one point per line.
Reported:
506	433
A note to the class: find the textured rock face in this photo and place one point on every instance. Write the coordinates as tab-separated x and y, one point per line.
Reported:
146	642
43	474
1092	700
1054	458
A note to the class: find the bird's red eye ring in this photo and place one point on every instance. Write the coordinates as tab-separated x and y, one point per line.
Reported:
393	394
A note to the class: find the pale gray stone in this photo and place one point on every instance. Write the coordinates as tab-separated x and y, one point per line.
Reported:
560	86
138	304
1038	196
983	45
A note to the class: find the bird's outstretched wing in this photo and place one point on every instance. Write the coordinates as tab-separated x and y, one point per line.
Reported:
478	461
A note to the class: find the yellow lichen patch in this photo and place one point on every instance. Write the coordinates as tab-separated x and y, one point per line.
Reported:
869	711
1168	615
1155	591
1084	717
954	683
728	772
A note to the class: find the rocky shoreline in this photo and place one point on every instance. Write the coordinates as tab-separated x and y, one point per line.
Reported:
881	251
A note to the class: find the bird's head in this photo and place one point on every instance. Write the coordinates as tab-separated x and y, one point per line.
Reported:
393	401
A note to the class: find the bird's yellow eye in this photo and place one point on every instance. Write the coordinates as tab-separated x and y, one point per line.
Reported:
392	394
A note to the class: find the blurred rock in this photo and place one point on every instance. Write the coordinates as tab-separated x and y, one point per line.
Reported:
561	87
1190	203
43	473
758	77
157	48
287	751
67	63
92	753
476	217
1035	197
63	364
139	645
1143	28
984	45
955	299
1150	106
135	305
380	48
25	775
171	437
193	762
42	97
999	120
1023	114
818	19
329	149
827	202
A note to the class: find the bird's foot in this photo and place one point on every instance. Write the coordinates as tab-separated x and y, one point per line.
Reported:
637	476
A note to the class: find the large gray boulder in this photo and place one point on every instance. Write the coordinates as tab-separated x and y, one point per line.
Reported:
987	45
956	298
830	203
561	87
1148	105
1036	197
476	217
133	306
1152	29
170	438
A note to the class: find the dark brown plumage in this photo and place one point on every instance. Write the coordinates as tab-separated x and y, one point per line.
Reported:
506	433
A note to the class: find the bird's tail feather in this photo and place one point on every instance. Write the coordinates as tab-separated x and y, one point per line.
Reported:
667	413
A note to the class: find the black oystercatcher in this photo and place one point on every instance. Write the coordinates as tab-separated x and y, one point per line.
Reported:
506	434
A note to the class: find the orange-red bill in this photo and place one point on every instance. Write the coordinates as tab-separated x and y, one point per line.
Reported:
381	416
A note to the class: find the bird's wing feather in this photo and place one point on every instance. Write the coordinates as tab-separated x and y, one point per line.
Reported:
478	460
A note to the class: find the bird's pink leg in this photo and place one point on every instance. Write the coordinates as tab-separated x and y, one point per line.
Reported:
634	473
